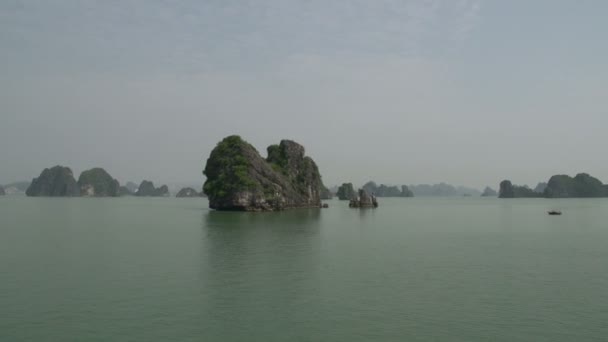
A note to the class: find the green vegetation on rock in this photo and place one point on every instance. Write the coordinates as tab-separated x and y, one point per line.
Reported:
57	181
238	178
97	182
346	192
226	168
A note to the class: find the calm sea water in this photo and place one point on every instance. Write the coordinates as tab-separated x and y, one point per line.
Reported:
421	269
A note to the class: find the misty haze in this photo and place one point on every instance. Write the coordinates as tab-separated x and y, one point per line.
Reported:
292	170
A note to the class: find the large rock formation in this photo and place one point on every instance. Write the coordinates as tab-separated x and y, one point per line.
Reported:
2	193
96	182
489	192
147	189
364	200
508	190
187	192
582	185
57	181
238	178
346	192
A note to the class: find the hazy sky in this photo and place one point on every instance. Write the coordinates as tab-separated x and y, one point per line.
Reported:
402	92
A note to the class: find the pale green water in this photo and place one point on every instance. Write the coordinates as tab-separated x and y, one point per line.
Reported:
421	269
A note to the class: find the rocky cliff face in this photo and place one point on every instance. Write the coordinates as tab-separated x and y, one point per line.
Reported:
346	192
187	192
238	178
147	189
57	181
98	183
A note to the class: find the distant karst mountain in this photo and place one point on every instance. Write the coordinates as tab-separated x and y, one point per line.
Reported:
508	190
131	186
489	192
559	186
387	191
57	181
187	192
326	194
582	185
96	182
540	187
147	189
442	189
346	192
16	188
238	178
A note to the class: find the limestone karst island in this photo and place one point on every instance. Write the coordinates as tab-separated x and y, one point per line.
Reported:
239	178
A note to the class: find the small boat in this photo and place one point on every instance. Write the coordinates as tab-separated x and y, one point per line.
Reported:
554	212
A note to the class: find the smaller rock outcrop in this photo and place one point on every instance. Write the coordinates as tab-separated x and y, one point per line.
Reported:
364	200
489	192
508	190
2	193
96	182
188	192
57	181
346	192
147	189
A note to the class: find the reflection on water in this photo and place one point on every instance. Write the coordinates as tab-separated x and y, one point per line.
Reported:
249	257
